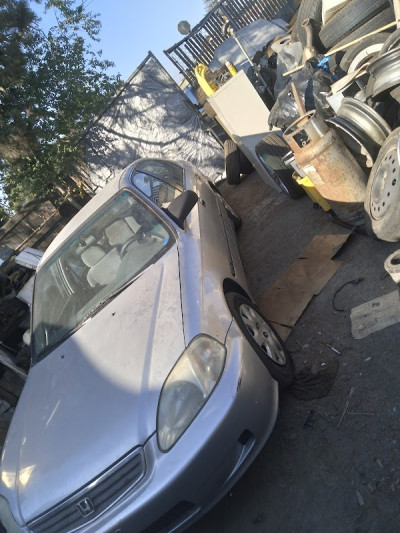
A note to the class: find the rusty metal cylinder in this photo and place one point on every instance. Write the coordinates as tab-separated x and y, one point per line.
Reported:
330	166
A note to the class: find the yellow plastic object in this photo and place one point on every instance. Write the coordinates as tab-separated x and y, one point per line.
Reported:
202	73
311	191
231	67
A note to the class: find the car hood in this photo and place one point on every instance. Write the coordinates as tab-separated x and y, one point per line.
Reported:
95	396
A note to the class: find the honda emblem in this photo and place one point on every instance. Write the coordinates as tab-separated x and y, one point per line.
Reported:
85	507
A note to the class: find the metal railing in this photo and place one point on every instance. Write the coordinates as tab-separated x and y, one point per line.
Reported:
200	44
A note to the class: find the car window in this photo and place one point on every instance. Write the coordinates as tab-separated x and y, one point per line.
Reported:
116	243
159	191
166	170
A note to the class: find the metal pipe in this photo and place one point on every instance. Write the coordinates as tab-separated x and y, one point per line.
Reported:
309	50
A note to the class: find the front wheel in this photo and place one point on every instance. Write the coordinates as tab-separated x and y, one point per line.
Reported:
263	338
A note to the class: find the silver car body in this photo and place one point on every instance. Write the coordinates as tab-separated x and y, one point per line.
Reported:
87	418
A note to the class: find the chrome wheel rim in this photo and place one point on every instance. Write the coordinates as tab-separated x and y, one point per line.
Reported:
386	71
385	183
262	334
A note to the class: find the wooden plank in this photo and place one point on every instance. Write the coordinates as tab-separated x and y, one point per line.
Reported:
308	275
326	246
285	301
375	315
282	331
284	306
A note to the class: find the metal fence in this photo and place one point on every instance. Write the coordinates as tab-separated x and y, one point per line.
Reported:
200	44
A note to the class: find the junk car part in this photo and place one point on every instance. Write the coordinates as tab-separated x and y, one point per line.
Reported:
330	166
385	72
361	128
382	213
353	15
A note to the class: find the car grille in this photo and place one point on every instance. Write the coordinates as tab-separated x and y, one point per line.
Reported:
93	499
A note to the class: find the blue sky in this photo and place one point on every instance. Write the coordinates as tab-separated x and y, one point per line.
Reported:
130	28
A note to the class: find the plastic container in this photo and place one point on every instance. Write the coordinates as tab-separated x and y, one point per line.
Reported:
311	191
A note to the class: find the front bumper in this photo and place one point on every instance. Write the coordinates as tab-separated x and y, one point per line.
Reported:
208	459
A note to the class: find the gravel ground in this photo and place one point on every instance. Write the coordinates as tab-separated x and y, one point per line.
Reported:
332	464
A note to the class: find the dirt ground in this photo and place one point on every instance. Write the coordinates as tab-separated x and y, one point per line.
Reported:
332	464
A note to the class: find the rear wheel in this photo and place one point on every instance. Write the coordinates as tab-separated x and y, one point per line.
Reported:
245	165
263	338
232	162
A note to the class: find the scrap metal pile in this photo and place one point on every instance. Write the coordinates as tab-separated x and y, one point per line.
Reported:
337	106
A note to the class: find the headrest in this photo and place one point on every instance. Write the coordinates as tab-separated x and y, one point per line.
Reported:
84	243
92	255
119	232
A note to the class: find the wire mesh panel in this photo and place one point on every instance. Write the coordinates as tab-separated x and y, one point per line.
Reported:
200	44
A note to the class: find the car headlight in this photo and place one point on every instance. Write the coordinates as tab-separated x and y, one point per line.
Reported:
6	518
188	387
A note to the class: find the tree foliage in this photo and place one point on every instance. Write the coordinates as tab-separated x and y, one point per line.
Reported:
209	4
51	85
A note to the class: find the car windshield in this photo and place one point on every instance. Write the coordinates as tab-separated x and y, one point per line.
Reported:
95	263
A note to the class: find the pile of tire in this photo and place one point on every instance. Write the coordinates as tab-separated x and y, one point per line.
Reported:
368	117
355	19
379	53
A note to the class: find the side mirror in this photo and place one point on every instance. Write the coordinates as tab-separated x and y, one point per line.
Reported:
179	208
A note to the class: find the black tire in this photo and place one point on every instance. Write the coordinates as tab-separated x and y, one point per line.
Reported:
270	152
381	19
245	165
361	52
269	347
382	198
391	42
353	15
232	162
309	9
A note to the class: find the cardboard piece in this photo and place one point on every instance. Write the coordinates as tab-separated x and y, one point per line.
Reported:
284	302
308	275
375	315
282	306
282	331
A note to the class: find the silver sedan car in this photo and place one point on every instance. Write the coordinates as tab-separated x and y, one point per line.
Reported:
154	378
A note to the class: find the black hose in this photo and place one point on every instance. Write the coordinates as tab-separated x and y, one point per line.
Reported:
352	282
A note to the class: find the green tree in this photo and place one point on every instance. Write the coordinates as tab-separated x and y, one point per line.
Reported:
48	95
209	4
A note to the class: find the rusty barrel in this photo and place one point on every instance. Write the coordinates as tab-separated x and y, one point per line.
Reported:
330	166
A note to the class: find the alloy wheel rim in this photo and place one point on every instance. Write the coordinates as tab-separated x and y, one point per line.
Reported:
262	334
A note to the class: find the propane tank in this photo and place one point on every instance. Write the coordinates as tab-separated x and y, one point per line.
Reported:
330	166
